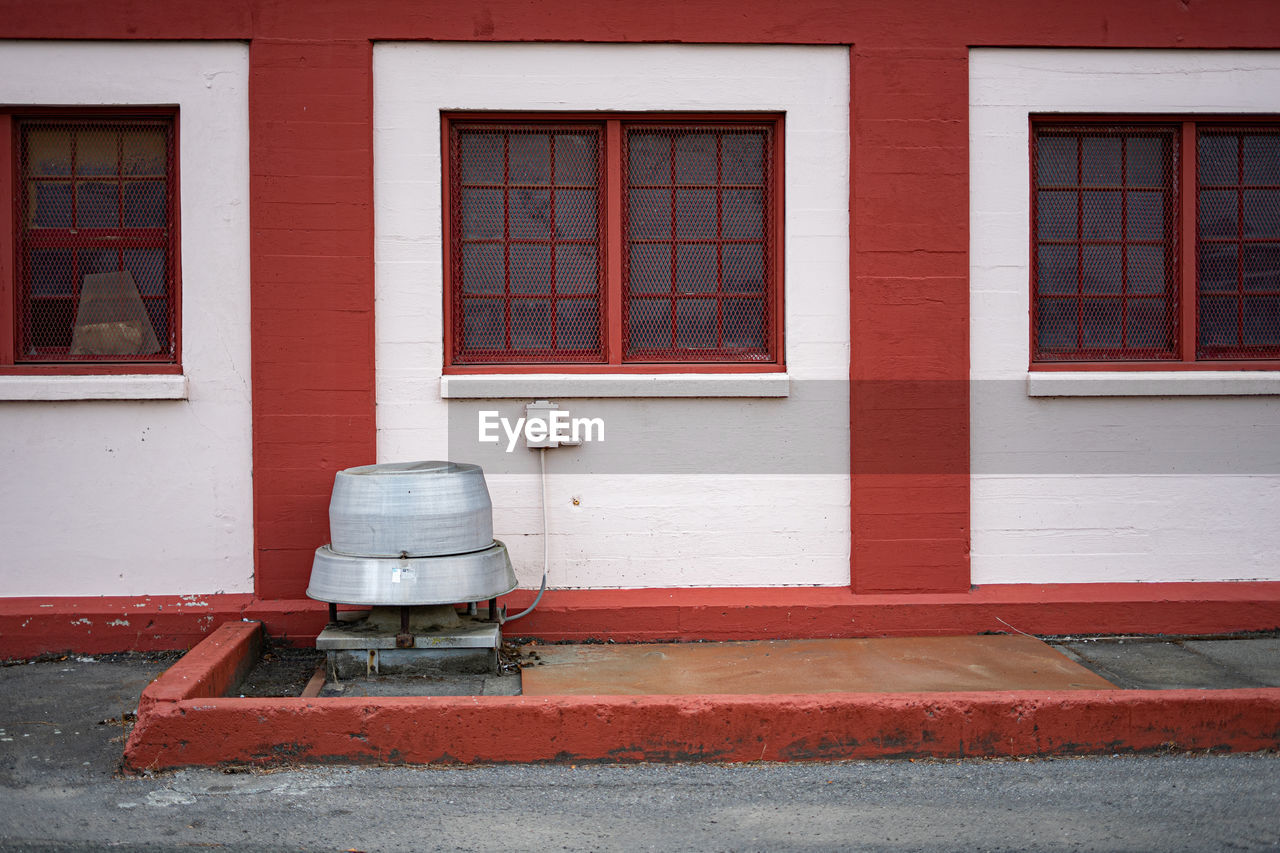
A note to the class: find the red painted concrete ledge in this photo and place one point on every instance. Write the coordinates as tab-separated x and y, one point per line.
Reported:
183	720
33	626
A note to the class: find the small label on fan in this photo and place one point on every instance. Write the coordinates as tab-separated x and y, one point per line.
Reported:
395	575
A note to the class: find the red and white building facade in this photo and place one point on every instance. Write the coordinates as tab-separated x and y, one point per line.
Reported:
990	296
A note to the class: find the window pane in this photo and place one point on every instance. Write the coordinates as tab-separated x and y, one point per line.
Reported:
97	205
158	314
1261	262
648	159
649	323
145	151
697	324
743	214
531	324
97	152
1218	321
483	270
1100	161
743	267
483	324
1218	160
577	324
696	158
651	268
1102	324
1101	270
1261	154
539	240
1219	268
482	158
1146	269
744	323
529	158
649	214
97	261
48	204
1218	215
742	158
1147	325
1145	212
1146	161
49	272
1056	161
48	323
530	268
576	269
482	214
1056	216
529	214
1100	215
696	268
48	151
575	214
1056	324
1262	213
714	241
1261	324
696	213
576	159
144	204
147	266
1056	270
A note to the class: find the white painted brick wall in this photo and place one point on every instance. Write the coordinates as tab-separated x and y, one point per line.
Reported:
125	497
629	530
1075	489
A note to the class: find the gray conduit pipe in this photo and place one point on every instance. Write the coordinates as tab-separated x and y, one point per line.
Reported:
546	544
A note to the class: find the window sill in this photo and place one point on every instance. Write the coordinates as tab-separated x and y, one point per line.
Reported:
163	386
562	385
1167	383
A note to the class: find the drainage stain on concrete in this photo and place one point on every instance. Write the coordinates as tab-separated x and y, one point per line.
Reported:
868	665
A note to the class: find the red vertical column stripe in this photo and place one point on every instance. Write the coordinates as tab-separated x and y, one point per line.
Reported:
311	196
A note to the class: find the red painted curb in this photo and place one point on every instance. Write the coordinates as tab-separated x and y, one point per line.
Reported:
492	729
182	722
214	666
32	626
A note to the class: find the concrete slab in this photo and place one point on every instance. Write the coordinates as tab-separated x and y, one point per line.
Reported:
455	684
877	665
1257	658
1143	664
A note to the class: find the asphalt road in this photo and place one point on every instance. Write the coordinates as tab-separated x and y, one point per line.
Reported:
57	766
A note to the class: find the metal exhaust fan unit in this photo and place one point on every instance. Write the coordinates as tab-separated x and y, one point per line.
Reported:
411	540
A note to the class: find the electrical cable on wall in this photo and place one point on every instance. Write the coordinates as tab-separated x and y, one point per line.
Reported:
546	543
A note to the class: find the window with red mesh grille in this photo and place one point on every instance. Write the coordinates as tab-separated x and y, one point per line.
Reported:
1238	242
621	241
94	239
1155	241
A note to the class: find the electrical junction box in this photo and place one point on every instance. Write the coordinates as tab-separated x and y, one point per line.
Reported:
540	430
537	424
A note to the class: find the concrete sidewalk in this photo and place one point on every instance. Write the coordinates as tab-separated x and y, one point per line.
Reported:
903	665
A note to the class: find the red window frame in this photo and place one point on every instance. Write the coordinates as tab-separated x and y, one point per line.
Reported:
1185	352
54	361
613	271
